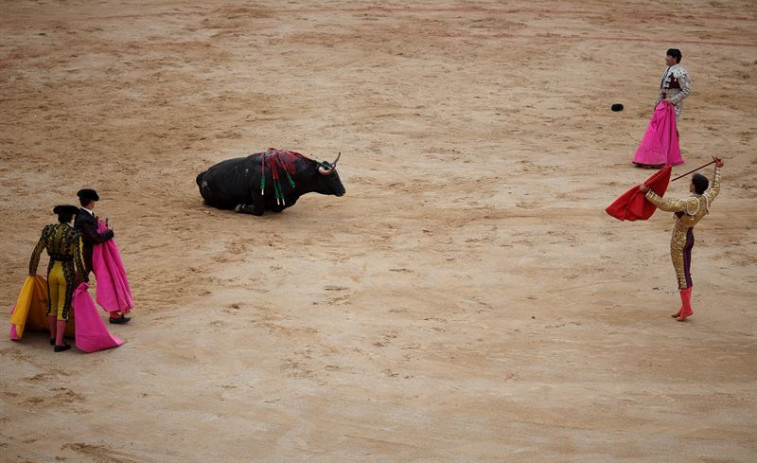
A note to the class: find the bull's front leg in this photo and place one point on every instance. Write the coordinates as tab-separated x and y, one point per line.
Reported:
248	209
288	202
256	208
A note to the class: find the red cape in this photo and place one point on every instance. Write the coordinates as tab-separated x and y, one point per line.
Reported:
632	205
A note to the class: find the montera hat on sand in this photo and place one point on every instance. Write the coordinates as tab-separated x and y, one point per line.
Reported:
617	107
65	209
88	193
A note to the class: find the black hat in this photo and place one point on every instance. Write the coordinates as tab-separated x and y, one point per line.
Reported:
65	209
675	53
88	193
617	107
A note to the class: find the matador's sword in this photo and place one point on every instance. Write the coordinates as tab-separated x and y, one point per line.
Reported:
698	168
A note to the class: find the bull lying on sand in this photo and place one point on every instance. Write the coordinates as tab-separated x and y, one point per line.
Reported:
272	180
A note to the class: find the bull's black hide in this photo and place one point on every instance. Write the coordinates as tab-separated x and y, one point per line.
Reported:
272	180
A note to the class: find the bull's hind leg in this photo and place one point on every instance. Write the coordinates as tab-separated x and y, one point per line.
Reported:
248	209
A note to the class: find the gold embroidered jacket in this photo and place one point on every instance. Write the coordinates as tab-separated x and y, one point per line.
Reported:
63	244
692	209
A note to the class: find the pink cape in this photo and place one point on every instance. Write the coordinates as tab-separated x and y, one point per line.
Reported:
91	333
660	143
633	205
113	290
85	325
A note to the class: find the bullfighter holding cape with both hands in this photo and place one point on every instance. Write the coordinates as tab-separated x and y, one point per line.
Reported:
102	257
64	272
659	147
687	213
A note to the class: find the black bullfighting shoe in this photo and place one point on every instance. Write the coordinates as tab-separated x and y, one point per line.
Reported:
62	348
119	320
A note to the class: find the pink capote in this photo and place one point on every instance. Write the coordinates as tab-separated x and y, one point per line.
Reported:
85	325
113	290
660	143
91	333
633	205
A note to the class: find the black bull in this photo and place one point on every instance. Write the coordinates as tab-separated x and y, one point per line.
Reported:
272	180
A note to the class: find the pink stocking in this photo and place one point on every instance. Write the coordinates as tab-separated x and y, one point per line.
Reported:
61	331
51	324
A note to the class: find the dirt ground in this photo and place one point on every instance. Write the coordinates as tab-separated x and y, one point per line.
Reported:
468	299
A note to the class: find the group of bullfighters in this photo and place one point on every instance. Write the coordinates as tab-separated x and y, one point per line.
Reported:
274	179
70	250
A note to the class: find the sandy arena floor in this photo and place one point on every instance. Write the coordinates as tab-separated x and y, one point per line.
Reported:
467	300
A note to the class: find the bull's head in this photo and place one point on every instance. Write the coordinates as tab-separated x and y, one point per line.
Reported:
329	179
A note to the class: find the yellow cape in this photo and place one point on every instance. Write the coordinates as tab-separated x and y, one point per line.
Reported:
30	311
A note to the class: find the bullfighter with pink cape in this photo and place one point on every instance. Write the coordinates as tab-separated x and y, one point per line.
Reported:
113	290
659	147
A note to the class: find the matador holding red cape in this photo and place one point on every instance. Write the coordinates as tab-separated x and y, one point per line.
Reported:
687	213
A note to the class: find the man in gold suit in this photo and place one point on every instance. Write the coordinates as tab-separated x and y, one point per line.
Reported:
688	212
65	270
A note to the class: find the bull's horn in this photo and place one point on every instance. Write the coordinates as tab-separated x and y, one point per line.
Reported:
326	167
